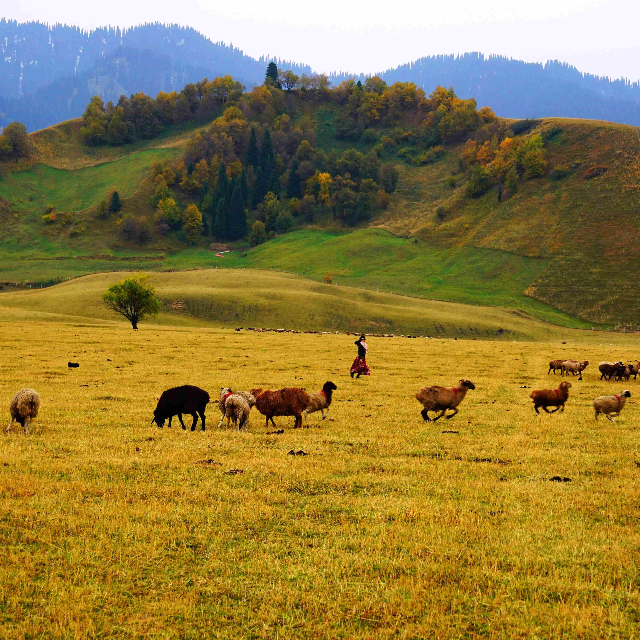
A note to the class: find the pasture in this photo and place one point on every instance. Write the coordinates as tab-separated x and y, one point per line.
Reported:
388	527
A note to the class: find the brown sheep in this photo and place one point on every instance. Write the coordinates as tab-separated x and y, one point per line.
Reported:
291	401
24	407
635	369
321	400
551	397
555	365
442	398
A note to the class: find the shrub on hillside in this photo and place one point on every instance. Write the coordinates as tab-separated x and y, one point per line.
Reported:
479	182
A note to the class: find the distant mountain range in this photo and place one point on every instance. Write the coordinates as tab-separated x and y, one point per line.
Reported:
48	74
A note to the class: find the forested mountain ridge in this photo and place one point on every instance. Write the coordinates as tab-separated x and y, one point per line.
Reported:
49	73
383	186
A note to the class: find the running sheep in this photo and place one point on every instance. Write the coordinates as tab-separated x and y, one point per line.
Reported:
551	397
609	405
24	408
442	398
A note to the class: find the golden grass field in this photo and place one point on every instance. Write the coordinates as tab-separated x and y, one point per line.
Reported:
389	527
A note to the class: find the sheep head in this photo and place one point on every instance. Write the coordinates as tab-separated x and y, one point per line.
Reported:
329	386
467	384
565	385
158	419
626	393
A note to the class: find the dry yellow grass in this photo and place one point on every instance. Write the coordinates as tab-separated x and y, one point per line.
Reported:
389	527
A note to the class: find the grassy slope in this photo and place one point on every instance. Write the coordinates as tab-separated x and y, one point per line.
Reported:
388	528
261	298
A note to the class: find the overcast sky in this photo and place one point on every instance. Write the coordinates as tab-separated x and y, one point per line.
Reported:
596	36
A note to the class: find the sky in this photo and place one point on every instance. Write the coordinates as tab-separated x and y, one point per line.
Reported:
596	36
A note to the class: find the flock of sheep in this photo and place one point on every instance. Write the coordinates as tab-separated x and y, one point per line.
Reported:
235	406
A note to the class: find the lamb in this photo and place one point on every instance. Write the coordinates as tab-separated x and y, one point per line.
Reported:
610	404
24	408
235	406
551	397
574	366
178	400
555	365
321	400
442	398
291	401
608	369
225	394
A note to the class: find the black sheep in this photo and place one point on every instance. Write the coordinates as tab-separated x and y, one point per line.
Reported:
178	400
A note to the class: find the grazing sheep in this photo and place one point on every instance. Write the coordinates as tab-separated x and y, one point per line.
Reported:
237	408
635	369
291	401
555	365
574	366
225	394
24	408
551	397
610	404
442	398
178	400
609	369
321	400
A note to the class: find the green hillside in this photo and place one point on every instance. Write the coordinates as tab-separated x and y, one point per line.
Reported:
559	244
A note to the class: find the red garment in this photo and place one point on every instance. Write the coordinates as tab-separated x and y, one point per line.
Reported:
360	366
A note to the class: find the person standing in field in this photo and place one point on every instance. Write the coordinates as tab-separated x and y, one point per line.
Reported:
359	366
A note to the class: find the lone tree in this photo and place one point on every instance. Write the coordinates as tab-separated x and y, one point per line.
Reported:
133	298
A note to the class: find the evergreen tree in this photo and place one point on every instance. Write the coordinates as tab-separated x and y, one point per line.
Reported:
237	216
222	185
115	205
220	220
293	184
274	183
244	187
271	76
260	188
267	156
253	156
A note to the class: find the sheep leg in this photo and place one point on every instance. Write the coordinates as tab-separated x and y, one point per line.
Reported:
439	416
27	425
298	423
425	414
322	412
556	409
195	421
452	414
182	423
535	406
169	425
9	427
547	410
202	417
221	419
610	418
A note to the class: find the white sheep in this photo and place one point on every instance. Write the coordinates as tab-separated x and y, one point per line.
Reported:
610	404
235	405
24	408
